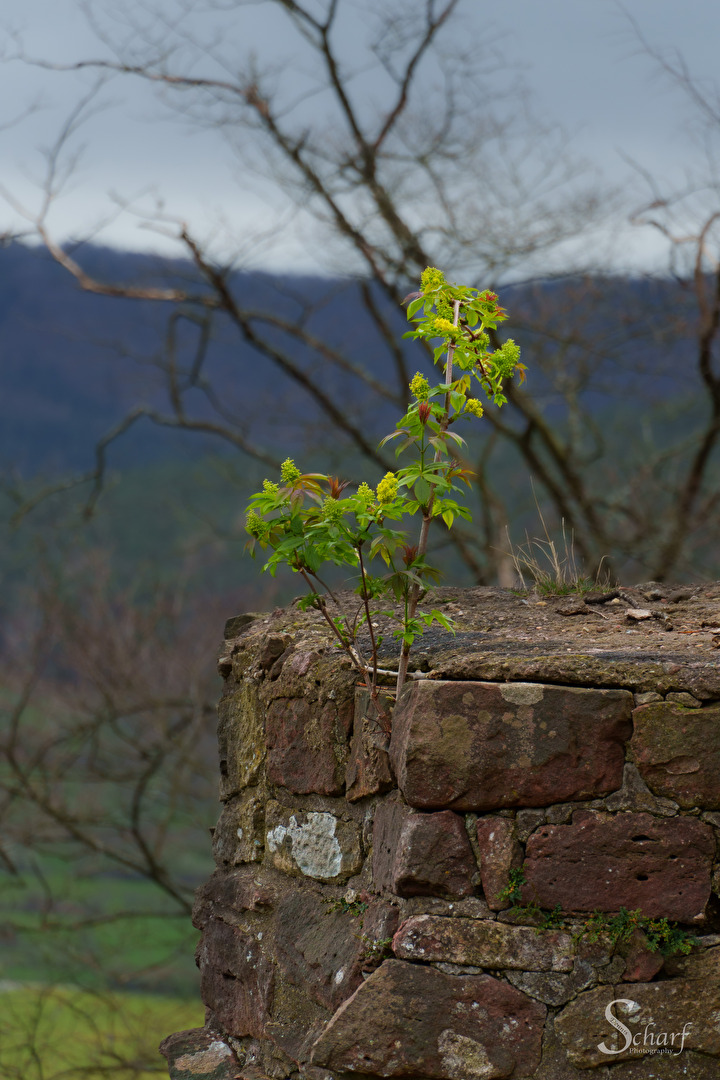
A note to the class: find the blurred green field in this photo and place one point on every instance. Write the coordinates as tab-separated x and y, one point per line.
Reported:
59	1033
70	922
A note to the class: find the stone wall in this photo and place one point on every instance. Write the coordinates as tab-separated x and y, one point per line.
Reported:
357	924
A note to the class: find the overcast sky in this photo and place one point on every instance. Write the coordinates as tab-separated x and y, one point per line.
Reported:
581	61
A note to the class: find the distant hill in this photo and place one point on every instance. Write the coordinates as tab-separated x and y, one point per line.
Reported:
72	363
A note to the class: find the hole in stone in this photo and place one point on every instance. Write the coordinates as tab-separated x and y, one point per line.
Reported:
672	856
642	877
641	837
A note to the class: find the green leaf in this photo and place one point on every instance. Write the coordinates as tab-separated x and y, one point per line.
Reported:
422	491
448	517
443	620
455	438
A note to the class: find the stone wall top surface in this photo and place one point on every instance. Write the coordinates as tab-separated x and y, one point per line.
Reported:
504	637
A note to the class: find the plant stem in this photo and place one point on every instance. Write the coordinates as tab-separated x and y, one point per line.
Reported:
371	629
356	659
427	516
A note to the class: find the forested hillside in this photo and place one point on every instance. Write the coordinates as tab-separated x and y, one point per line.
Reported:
613	379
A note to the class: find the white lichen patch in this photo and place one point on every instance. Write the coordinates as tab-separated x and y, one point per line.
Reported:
275	837
314	847
220	1048
522	693
203	1061
464	1059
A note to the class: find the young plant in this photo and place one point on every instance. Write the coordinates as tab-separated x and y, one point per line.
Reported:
309	521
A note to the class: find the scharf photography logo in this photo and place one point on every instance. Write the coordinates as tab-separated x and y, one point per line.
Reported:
647	1039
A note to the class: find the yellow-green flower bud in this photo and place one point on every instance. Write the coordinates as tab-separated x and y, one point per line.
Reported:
445	327
289	471
387	488
419	387
255	525
332	510
366	493
473	406
431	278
269	487
507	357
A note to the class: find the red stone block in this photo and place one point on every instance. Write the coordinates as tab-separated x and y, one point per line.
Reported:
368	768
481	746
677	752
410	1020
499	854
641	964
307	745
421	854
605	862
236	979
325	951
236	891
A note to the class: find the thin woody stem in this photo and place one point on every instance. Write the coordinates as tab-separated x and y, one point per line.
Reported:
427	516
326	587
371	629
355	657
350	649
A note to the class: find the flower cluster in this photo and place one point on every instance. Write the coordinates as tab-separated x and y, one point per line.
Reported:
473	406
365	493
270	488
444	327
289	471
506	358
387	488
332	510
431	278
419	387
255	525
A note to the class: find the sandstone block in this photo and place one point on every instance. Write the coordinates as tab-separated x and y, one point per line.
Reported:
235	891
677	752
635	795
273	646
316	845
652	1015
368	768
698	965
641	964
527	821
421	854
239	836
297	1021
235	625
307	745
485	943
236	979
324	951
241	738
552	987
199	1054
481	746
500	852
603	861
663	1067
409	1020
